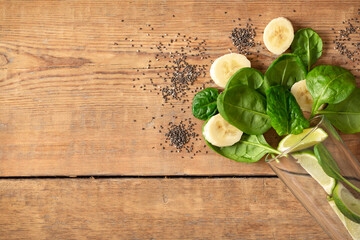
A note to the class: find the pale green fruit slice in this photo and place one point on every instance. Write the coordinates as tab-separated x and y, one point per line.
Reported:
313	138
347	203
352	227
309	162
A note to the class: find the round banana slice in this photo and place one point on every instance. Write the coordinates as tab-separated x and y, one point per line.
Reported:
278	35
303	96
219	132
225	66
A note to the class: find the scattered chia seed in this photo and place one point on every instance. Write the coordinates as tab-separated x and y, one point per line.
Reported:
180	136
243	38
178	55
180	73
344	43
184	74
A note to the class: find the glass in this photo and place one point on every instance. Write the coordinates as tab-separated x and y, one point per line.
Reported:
307	190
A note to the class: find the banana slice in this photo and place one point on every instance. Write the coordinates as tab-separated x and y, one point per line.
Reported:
219	132
303	96
278	35
225	66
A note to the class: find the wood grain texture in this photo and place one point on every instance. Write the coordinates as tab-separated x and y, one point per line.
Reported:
227	208
67	101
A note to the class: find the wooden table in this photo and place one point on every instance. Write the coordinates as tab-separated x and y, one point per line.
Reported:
74	160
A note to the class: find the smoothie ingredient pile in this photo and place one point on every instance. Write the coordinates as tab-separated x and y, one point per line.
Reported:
251	103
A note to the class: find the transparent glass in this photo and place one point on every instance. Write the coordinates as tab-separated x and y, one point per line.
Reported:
307	190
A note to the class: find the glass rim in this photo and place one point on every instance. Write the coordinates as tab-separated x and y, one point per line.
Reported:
286	151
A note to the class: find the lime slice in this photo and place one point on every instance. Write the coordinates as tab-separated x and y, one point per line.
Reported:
310	163
290	140
352	227
347	203
337	211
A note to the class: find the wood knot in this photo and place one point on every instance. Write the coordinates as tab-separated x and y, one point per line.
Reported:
3	59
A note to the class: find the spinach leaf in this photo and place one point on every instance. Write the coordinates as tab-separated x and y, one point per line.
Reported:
286	70
327	162
204	103
329	165
246	76
307	45
250	148
285	113
329	84
245	109
345	115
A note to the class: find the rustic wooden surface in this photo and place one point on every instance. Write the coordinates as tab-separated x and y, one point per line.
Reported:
68	105
152	209
66	90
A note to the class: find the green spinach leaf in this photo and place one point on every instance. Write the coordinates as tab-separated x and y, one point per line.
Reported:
286	70
327	162
307	45
246	76
204	103
345	115
245	109
250	148
329	84
329	165
285	113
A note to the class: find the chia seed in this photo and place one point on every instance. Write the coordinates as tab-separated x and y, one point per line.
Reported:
178	56
184	74
243	38
344	43
180	135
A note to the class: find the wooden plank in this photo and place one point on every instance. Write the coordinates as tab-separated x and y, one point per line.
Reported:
226	208
92	132
68	103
